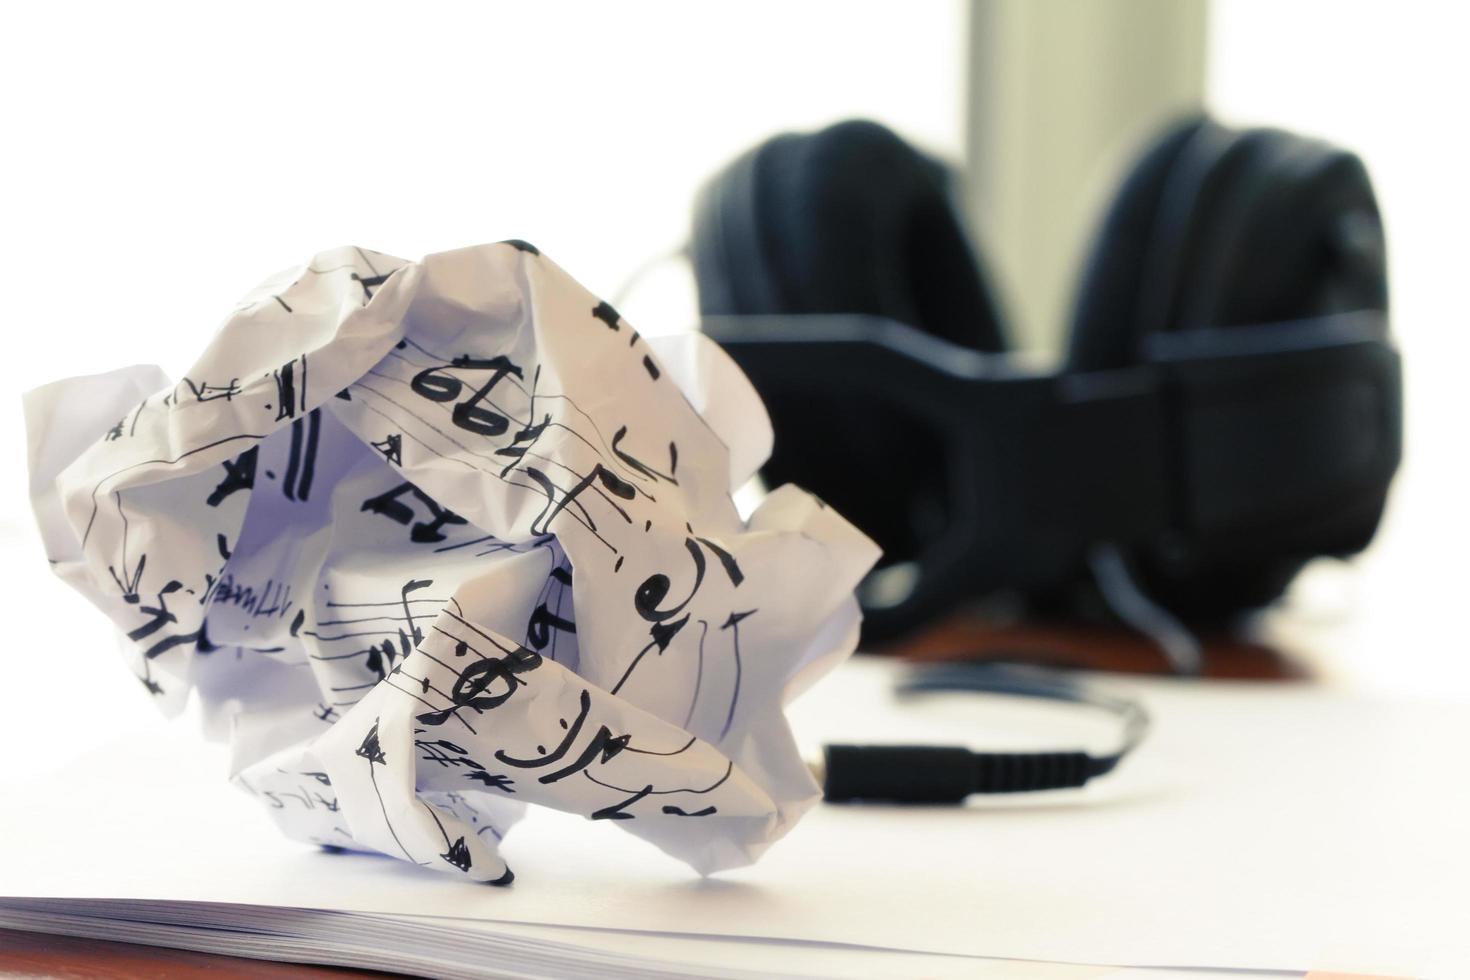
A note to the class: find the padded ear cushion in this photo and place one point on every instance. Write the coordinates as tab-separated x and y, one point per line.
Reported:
1293	233
1217	228
1106	330
850	219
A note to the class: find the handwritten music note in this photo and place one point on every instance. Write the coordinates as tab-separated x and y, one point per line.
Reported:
449	538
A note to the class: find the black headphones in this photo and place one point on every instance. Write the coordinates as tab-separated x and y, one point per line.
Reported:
1229	406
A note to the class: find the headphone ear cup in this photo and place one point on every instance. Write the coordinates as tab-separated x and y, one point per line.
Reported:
850	219
1293	232
1241	228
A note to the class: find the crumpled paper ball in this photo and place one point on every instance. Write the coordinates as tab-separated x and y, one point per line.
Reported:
435	540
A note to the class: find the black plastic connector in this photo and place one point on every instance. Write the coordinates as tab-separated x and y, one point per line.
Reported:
948	774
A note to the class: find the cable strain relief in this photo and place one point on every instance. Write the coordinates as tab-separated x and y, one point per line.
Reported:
1025	772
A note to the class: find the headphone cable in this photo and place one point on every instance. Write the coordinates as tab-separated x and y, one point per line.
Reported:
1133	606
948	774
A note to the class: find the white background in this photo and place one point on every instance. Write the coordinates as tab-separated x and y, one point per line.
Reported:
159	159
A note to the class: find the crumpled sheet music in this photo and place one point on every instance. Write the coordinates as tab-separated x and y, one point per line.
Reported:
435	540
